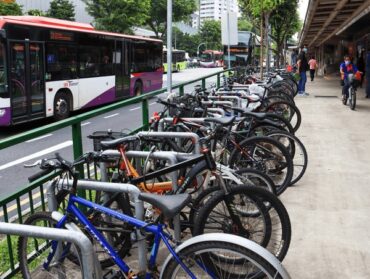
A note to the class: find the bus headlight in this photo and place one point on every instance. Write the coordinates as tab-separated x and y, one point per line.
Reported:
2	112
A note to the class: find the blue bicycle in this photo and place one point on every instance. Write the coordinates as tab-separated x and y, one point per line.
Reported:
213	255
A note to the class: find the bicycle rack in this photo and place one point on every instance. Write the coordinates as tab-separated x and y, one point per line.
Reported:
77	238
175	135
225	97
107	187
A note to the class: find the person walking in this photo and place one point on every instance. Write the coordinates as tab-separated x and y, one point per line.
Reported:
303	67
313	65
361	65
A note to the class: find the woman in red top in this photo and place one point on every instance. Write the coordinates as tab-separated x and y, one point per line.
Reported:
313	64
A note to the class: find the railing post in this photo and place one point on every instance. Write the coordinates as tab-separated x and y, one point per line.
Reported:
145	114
203	83
78	151
181	90
218	81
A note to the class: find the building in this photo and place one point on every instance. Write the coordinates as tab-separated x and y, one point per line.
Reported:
213	9
333	28
44	5
195	20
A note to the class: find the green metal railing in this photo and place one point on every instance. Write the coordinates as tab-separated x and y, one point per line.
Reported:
36	188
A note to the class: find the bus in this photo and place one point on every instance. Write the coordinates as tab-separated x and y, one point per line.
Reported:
240	54
211	59
178	60
50	67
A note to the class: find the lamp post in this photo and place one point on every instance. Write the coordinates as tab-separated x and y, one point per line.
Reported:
228	35
199	47
169	46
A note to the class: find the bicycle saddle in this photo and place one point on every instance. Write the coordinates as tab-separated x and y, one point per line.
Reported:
112	144
248	112
224	121
169	205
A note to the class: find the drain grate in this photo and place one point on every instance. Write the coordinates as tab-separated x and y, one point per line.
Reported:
325	96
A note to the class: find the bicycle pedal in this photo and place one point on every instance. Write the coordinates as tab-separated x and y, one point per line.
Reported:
113	274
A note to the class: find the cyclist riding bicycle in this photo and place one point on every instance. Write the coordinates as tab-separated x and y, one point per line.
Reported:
346	68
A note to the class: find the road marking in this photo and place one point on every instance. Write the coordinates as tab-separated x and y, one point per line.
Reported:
86	123
152	103
34	196
112	115
37	154
134	108
42	137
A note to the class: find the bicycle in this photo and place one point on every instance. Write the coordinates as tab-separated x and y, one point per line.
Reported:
353	83
207	256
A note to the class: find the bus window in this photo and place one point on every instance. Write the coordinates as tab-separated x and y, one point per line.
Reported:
95	61
3	80
61	62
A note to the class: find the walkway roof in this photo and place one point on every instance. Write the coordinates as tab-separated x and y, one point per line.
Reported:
328	18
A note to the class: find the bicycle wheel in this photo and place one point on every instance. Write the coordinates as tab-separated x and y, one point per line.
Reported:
352	100
224	212
297	151
117	233
267	155
33	252
206	259
287	110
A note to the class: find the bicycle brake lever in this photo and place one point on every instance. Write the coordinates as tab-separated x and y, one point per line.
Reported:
36	163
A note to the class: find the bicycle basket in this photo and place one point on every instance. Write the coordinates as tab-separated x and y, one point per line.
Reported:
100	136
189	102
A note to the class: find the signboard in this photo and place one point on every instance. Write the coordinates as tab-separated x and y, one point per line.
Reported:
229	30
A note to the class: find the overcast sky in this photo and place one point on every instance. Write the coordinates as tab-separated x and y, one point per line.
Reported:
302	9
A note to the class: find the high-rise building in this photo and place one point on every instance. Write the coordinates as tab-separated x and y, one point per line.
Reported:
213	9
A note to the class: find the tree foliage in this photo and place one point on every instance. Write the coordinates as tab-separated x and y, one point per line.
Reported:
245	25
157	14
62	9
10	7
118	15
186	42
36	12
210	33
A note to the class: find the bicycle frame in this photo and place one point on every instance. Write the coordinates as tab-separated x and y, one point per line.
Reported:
157	230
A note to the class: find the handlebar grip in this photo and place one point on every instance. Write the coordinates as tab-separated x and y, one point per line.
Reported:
39	174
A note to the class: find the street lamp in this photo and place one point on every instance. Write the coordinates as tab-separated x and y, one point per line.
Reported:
199	47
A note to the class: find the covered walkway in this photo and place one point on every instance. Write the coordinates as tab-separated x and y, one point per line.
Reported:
330	206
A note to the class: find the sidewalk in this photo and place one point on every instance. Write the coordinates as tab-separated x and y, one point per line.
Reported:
330	207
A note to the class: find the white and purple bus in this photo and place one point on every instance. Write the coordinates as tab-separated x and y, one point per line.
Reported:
50	67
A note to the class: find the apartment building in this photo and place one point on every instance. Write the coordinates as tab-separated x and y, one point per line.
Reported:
213	9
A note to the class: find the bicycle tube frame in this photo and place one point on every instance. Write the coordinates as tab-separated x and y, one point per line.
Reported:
157	230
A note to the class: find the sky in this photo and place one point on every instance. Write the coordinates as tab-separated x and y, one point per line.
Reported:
302	9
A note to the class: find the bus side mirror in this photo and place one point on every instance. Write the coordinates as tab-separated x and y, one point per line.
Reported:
2	34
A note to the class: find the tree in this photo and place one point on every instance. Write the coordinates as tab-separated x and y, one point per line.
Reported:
118	15
36	12
285	23
245	25
210	33
260	10
62	9
10	7
157	19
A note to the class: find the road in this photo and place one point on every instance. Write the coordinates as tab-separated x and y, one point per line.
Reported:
13	176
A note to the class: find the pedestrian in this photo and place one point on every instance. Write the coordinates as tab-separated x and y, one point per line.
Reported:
313	65
346	68
361	65
303	67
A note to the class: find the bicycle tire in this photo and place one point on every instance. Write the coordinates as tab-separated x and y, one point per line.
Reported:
63	269
288	110
296	149
120	240
267	155
255	266
279	240
352	100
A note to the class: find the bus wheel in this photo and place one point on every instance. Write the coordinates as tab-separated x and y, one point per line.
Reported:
138	89
61	106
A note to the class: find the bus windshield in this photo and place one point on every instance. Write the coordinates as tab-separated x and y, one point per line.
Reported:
3	82
206	57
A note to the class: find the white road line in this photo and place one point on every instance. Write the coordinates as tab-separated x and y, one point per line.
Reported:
134	108
85	124
37	154
152	103
112	115
42	137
